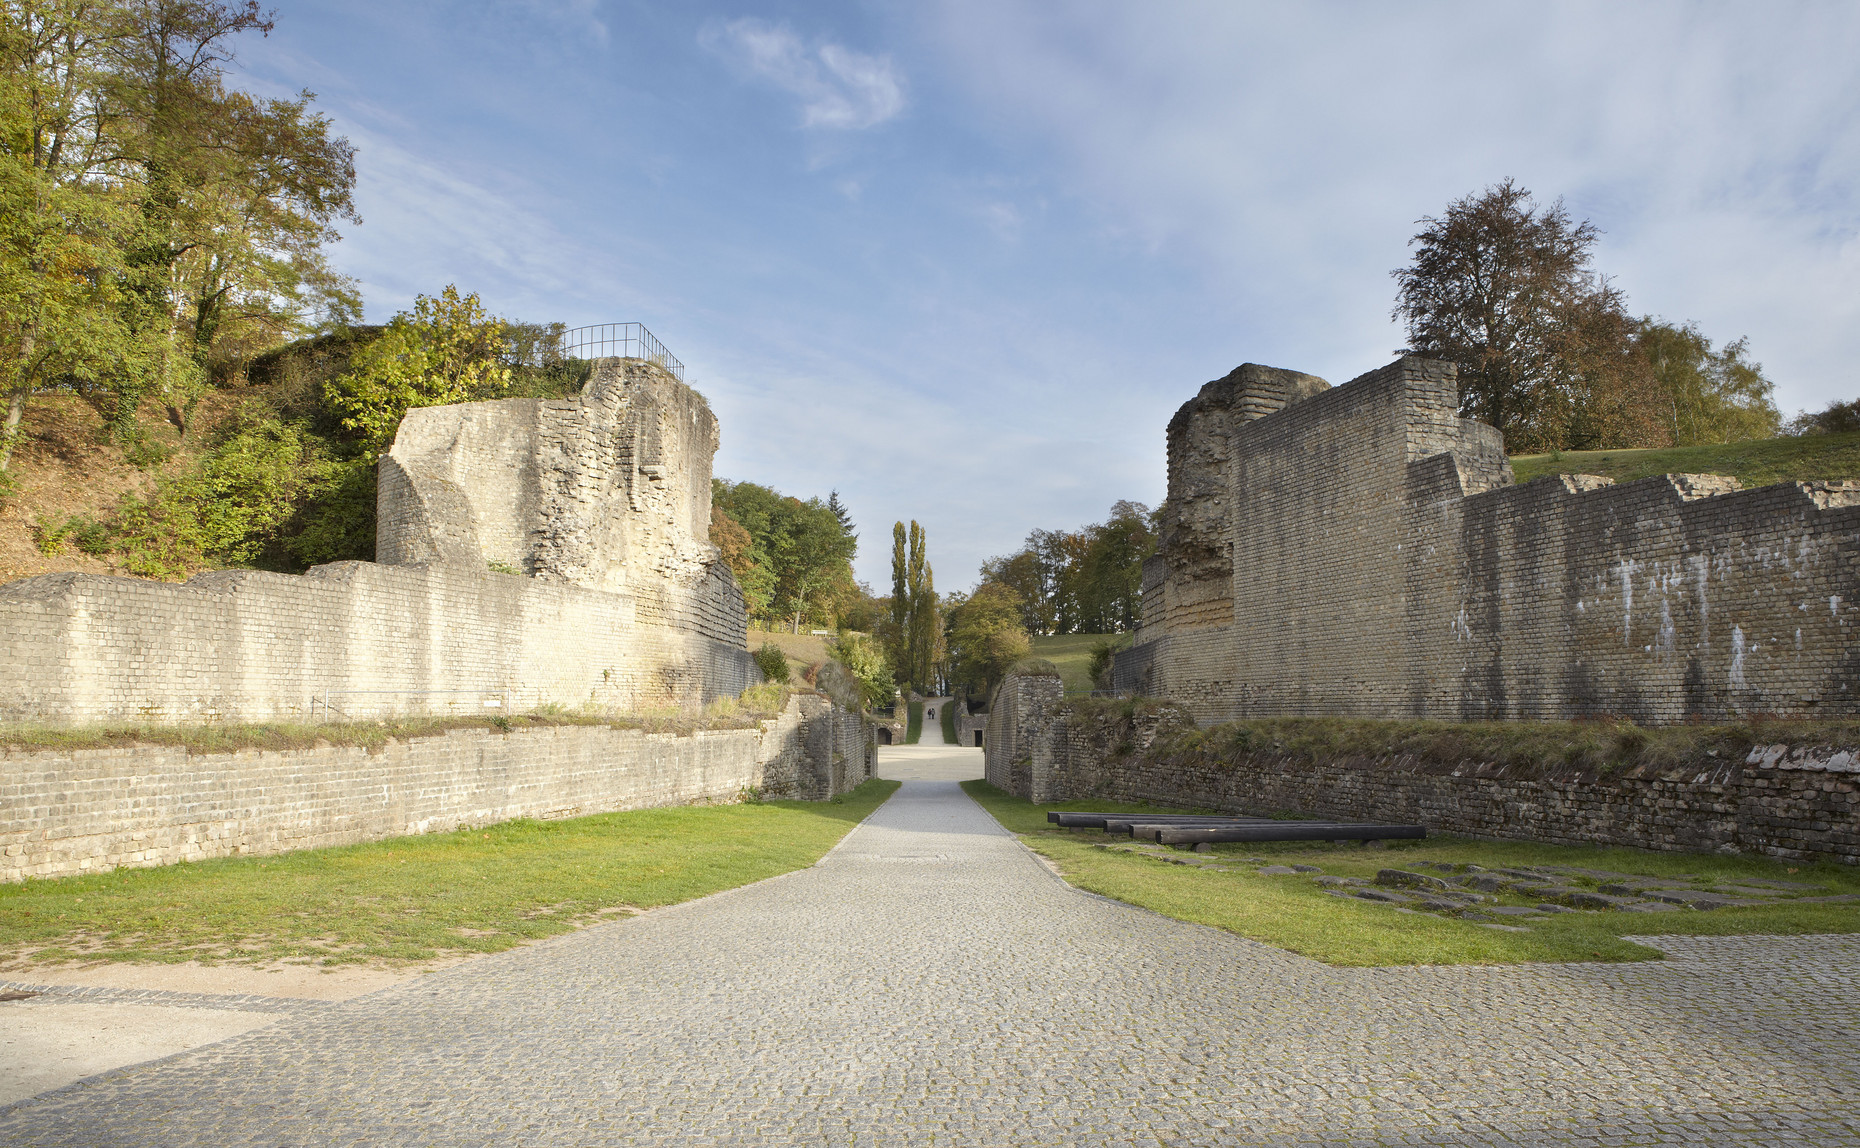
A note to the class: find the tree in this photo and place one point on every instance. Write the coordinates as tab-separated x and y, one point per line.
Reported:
1084	581
446	350
985	638
1021	574
1110	575
799	559
1836	418
912	633
1544	344
840	512
1706	396
153	218
60	220
739	553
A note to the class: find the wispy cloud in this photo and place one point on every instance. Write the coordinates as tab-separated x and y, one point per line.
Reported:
839	88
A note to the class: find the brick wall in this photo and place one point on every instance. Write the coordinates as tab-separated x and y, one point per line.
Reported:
1797	802
78	811
1362	551
253	646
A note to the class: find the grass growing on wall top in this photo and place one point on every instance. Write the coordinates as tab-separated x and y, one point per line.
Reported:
757	704
1292	912
1756	463
1523	749
415	898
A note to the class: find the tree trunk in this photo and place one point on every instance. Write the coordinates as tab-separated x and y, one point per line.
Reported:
9	434
16	403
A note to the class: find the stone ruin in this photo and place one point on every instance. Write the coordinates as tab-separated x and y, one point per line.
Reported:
1362	551
529	552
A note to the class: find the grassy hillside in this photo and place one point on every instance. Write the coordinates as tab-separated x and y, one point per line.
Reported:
803	650
1071	655
1758	463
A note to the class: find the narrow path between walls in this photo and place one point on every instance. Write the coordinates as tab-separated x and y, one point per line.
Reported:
931	982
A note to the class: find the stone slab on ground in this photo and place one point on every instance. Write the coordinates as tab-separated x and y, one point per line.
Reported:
932	981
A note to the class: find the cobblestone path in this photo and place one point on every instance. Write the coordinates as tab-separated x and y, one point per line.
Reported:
930	983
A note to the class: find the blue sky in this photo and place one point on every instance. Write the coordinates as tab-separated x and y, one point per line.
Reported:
963	259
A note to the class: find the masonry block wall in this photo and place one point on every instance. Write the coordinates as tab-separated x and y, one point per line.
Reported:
1015	742
1362	551
530	552
91	810
1791	801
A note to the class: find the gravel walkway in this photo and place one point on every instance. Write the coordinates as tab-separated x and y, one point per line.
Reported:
930	982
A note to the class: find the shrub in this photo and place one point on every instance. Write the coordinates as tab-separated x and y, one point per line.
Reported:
773	663
865	663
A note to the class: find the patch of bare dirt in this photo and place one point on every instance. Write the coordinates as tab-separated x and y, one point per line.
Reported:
65	466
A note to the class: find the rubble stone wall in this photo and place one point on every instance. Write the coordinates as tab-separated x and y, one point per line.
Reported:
92	810
1362	551
1796	802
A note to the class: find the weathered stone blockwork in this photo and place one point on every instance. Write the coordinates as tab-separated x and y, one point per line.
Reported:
603	501
90	810
1792	802
1361	551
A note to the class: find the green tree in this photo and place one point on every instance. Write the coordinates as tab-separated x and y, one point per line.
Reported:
446	350
1707	396
1084	581
739	553
798	549
61	219
985	638
153	216
1544	344
1110	573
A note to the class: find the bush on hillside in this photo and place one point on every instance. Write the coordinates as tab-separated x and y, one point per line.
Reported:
773	663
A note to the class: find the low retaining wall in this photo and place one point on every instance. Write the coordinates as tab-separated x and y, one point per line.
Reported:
64	812
1794	802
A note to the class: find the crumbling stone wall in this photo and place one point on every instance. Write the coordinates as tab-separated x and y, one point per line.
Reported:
1362	551
1793	801
92	810
599	507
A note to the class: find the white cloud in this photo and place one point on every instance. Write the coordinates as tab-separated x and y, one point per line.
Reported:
838	88
1283	153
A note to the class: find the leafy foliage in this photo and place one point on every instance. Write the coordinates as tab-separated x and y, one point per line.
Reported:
157	223
1547	351
1836	418
773	662
985	638
911	633
1086	581
865	663
446	350
1706	396
797	562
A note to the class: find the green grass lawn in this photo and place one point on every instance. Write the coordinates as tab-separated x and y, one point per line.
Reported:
947	715
1070	655
1757	463
913	723
416	898
1291	912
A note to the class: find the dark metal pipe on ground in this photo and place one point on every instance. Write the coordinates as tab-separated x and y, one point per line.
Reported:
1285	831
1125	824
1096	820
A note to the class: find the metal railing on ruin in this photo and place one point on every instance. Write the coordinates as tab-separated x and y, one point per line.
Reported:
619	340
